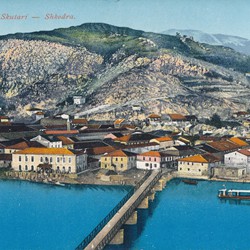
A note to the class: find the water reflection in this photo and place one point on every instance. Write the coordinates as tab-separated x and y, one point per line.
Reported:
235	202
133	232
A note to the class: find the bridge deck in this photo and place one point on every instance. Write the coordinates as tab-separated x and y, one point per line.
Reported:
122	215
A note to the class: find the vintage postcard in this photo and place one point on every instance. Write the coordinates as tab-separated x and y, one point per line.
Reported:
124	124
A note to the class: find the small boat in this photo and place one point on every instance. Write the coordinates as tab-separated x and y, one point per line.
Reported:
190	182
234	194
59	184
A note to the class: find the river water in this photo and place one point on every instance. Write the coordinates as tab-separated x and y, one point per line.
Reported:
191	217
38	216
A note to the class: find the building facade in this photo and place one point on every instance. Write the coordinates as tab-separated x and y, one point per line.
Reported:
118	160
197	165
58	159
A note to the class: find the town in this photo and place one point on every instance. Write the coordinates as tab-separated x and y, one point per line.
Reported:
65	149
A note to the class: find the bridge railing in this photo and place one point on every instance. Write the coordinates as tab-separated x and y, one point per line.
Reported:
100	226
128	213
103	223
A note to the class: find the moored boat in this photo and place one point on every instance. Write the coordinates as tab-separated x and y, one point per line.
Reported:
190	182
234	194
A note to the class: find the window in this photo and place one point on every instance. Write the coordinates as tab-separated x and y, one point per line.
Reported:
26	167
20	168
180	168
199	170
146	164
41	159
188	169
32	168
121	165
69	169
71	159
155	165
128	159
143	158
20	158
116	159
51	159
26	158
63	169
64	160
32	158
150	158
57	159
155	159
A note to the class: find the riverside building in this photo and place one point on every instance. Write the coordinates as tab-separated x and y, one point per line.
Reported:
60	160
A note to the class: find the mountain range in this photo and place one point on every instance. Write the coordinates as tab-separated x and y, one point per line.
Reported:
237	43
116	68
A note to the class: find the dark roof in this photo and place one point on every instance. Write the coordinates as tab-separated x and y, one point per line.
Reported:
14	128
191	117
5	157
51	138
207	148
89	144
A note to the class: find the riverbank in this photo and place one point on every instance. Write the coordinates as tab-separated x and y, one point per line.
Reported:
100	177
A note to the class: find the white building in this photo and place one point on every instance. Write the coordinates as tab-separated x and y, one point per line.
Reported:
48	141
78	99
238	159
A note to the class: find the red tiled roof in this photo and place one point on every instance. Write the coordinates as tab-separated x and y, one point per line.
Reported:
100	150
151	153
46	151
119	153
245	152
205	158
124	138
80	121
223	145
177	117
65	140
119	121
163	139
238	141
154	116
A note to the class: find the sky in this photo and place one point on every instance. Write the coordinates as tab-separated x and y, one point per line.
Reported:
212	16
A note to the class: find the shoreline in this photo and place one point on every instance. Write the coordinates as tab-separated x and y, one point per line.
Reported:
131	178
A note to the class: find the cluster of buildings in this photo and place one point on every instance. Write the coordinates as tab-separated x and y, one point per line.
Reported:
62	145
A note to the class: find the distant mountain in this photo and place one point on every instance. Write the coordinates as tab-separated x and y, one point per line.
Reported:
237	43
116	68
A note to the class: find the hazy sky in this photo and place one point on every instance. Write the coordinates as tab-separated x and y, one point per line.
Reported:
212	16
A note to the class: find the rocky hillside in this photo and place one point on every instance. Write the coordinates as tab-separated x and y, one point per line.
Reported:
116	68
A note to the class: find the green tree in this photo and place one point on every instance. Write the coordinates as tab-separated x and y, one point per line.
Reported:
215	121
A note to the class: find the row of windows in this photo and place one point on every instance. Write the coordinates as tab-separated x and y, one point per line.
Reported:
26	168
46	159
189	169
116	159
151	165
106	165
188	163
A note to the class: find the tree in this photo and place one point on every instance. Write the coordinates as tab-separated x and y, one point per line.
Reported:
215	121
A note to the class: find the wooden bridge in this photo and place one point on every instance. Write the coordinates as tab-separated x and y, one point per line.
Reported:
110	225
